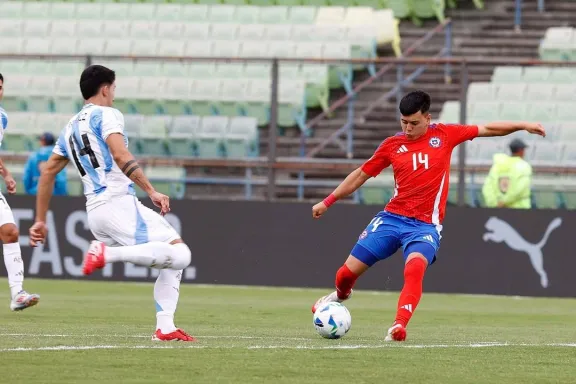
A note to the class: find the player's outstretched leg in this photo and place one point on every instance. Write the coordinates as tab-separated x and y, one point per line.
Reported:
166	294
154	254
15	268
414	271
345	279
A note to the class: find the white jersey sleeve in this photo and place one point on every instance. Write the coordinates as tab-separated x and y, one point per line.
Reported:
60	147
3	124
112	122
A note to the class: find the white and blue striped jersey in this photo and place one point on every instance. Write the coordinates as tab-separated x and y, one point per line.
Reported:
3	123
83	142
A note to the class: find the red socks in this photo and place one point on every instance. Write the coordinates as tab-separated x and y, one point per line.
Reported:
345	280
412	290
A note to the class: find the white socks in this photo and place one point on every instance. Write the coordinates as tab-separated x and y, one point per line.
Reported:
166	293
155	254
14	267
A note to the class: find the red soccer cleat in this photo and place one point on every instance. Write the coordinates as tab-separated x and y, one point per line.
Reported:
177	335
396	333
94	258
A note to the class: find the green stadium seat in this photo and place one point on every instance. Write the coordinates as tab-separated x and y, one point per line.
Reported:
241	140
210	139
173	31
12	10
141	68
202	70
222	13
90	46
63	29
41	87
11	28
168	180
232	93
198	48
142	12
554	50
205	93
257	70
253	49
12	46
169	13
142	30
513	111
16	136
427	9
257	101
119	11
33	10
478	91
376	4
89	11
254	32
36	28
510	92
546	154
229	70
292	104
317	90
282	32
39	68
63	46
249	14
274	15
127	91
508	74
125	67
536	74
565	92
562	75
542	112
330	15
540	92
484	111
401	8
182	135
224	31
546	198
143	48
300	15
565	111
226	48
36	46
567	132
450	112
153	135
194	13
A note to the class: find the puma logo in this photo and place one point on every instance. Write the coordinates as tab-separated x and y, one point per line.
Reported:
500	231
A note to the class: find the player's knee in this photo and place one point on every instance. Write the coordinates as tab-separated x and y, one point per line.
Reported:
183	256
9	233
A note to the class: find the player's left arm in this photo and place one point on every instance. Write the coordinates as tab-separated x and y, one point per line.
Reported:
8	179
54	165
505	128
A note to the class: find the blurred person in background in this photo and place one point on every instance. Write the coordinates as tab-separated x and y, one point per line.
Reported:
36	162
509	179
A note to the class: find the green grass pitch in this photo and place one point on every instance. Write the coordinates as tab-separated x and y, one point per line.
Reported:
88	332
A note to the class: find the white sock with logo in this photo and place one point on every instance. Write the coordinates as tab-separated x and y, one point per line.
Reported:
166	294
155	254
14	267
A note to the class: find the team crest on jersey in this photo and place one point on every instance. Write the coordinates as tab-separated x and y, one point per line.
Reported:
435	142
363	235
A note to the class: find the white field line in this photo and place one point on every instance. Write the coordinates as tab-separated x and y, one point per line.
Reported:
150	335
304	347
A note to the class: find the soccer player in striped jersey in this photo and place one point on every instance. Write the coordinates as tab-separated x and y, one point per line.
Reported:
126	231
9	232
412	219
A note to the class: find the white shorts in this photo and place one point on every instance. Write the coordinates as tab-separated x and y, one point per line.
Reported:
124	220
6	216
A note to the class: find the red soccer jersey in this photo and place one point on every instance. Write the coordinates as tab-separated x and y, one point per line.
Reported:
421	170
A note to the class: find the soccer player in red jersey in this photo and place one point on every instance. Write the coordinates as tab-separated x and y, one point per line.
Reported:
412	219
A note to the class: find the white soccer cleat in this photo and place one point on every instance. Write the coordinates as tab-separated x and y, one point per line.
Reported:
331	298
396	333
24	300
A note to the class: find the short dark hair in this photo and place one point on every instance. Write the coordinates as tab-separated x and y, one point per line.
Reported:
93	78
1	78
414	102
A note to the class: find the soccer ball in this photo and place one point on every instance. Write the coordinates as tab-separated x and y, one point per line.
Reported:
332	321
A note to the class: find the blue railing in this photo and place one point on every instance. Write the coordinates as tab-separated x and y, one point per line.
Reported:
518	12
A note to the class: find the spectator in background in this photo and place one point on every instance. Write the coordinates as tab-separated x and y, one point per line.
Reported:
508	183
35	164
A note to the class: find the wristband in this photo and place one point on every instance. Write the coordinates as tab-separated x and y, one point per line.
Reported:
331	199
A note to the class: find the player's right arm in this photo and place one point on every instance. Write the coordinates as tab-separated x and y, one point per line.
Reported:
55	164
371	168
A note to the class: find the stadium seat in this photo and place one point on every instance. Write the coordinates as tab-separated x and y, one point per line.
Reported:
539	92
241	140
168	180
478	91
510	91
536	74
509	74
153	135
542	112
182	135
211	136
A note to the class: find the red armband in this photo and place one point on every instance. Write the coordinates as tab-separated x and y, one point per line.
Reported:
331	199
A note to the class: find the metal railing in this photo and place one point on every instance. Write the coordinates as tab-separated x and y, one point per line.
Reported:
272	163
518	12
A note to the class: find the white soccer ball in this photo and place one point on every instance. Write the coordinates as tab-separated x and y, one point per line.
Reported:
332	320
